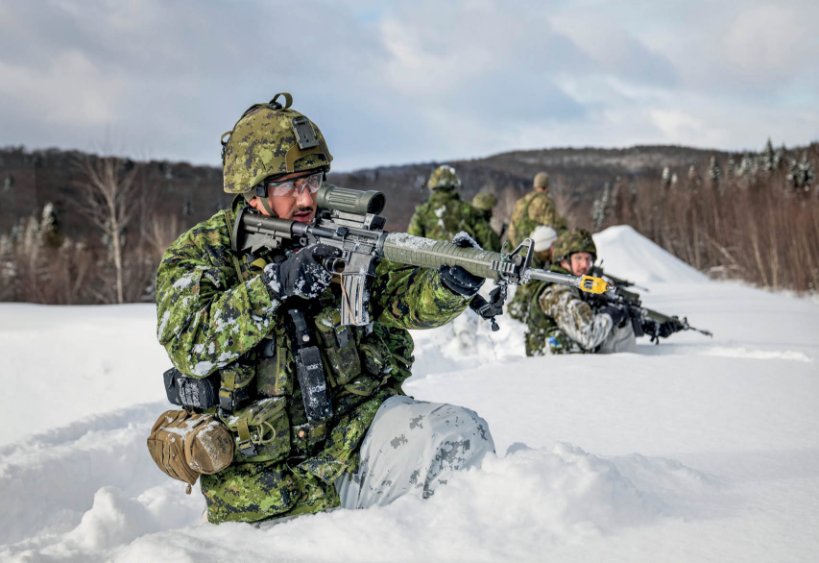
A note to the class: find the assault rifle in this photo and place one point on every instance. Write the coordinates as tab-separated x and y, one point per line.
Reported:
349	220
644	321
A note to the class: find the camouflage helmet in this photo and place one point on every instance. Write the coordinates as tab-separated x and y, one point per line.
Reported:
484	201
570	241
443	177
271	140
541	180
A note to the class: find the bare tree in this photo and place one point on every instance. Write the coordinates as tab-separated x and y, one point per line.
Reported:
108	186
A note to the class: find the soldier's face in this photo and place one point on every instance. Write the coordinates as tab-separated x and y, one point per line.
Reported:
578	263
300	205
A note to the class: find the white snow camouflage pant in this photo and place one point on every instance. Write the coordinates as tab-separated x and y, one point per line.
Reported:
620	339
411	448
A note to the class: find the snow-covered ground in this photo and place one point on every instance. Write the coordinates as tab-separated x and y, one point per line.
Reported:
695	450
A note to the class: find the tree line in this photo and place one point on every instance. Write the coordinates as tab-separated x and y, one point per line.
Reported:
753	217
750	216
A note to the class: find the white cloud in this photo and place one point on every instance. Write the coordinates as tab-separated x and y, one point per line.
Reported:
70	91
677	124
772	40
403	81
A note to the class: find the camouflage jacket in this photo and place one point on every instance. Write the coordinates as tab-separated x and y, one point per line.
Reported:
534	209
559	321
444	215
493	239
216	316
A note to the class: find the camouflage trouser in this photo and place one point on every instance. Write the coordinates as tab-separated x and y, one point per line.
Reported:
249	492
411	448
555	341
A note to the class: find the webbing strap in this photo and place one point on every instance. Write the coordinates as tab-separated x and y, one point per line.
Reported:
234	259
245	442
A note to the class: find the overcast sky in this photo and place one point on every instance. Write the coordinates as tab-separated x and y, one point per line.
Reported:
393	82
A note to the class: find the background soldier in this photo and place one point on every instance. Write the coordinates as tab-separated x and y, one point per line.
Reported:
444	214
542	238
533	209
243	319
560	320
484	202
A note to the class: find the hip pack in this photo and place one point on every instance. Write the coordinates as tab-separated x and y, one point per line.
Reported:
185	445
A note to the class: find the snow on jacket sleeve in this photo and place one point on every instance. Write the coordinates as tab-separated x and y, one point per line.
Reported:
574	316
206	317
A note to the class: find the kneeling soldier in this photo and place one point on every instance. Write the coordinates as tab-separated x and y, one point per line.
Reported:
255	323
560	319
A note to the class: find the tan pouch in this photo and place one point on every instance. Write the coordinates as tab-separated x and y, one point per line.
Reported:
185	445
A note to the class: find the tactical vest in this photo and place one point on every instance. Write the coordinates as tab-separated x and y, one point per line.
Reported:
259	397
262	393
444	215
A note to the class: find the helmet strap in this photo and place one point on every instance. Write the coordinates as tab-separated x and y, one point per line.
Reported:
266	205
249	195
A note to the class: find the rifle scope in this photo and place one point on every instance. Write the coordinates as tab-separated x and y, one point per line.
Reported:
350	201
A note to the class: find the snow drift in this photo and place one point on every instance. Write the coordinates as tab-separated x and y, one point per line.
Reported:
693	450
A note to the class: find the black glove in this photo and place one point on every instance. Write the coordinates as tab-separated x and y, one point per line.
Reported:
302	274
649	327
458	280
669	327
618	314
490	309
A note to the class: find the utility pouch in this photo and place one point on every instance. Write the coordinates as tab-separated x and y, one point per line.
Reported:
185	445
261	430
274	365
339	345
199	394
318	406
234	389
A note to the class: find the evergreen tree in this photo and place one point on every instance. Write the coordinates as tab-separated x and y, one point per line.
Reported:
714	171
801	173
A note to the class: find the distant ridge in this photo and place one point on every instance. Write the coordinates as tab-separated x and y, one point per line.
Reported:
29	179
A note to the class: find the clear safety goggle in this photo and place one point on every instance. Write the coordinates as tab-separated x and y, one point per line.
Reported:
295	186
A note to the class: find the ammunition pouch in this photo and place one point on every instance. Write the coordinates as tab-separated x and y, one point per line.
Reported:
234	389
261	430
185	445
228	388
192	393
339	346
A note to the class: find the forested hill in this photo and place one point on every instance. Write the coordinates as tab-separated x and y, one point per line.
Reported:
80	228
578	176
30	179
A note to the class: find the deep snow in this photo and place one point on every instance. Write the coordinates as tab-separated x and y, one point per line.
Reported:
694	450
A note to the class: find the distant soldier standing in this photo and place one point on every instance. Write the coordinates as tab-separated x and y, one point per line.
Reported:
484	202
444	214
533	209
